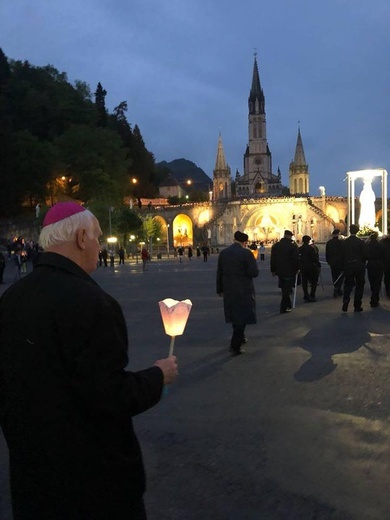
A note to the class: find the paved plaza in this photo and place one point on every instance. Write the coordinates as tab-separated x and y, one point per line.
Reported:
297	428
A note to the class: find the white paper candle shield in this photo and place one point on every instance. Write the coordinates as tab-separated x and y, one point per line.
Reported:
174	315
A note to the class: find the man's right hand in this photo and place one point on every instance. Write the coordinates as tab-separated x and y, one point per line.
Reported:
169	368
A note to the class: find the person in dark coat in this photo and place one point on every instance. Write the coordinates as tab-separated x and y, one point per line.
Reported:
285	265
121	253
206	251
310	267
375	254
2	266
386	273
66	400
335	258
235	272
354	269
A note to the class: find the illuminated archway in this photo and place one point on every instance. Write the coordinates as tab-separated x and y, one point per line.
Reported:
182	231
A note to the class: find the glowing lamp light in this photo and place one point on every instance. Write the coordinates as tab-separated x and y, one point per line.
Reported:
174	315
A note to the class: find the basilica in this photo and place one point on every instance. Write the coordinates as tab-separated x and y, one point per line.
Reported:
256	201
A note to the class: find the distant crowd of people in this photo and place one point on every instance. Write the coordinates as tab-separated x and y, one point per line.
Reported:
20	253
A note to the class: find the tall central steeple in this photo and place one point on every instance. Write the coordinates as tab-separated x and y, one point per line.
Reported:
256	100
257	158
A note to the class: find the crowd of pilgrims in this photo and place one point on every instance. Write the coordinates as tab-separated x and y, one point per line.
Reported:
348	258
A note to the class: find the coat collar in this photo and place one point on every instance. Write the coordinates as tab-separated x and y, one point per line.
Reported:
62	262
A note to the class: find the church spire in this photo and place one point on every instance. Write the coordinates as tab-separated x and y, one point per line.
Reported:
220	163
299	170
299	158
256	100
221	176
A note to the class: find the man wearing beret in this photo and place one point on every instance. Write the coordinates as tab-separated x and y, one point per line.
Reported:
285	265
66	400
236	269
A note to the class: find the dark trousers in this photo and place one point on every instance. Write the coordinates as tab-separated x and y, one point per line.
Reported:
336	272
386	280
309	276
375	275
286	284
238	336
354	277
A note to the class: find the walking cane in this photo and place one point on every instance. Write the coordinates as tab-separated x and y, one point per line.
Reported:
321	282
338	278
295	290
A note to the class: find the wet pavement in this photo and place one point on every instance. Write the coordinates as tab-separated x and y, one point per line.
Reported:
296	428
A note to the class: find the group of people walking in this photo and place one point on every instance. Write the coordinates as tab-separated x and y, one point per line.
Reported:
293	265
349	259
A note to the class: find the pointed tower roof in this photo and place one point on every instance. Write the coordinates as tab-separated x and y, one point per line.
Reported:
256	92
299	158
220	163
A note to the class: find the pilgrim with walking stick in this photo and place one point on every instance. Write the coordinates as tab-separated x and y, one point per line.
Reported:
285	265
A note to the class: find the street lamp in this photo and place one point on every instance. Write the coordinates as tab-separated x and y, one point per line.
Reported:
110	209
168	240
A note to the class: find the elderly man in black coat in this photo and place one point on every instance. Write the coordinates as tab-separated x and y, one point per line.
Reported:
236	269
66	400
285	265
334	255
355	257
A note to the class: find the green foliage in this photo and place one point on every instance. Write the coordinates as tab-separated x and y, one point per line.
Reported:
151	229
50	129
100	102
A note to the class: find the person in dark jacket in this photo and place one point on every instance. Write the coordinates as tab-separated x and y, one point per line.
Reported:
310	267
235	272
375	254
335	258
386	273
285	265
2	266
354	269
66	400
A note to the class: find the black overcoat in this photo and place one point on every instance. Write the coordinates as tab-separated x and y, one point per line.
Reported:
66	401
236	269
285	258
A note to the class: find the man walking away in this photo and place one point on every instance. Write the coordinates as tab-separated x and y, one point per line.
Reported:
354	269
386	279
235	272
375	253
335	258
285	265
309	265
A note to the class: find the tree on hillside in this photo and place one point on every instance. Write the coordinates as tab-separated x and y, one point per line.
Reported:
142	169
95	159
100	102
5	71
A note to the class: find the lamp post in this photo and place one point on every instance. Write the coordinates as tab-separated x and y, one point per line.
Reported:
168	240
110	209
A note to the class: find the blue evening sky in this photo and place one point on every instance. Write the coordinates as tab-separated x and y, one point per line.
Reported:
185	69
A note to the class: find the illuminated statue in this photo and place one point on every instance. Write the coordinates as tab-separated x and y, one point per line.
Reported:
367	205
